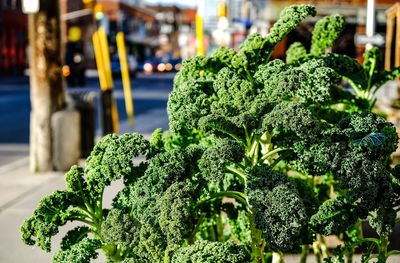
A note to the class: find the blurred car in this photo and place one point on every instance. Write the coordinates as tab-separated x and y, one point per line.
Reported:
150	65
160	65
116	66
74	68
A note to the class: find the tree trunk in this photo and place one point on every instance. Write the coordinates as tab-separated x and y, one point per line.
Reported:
46	86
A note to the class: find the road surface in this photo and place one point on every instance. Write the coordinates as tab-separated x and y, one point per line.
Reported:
150	94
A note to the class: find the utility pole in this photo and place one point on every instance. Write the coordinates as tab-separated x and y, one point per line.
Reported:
46	85
371	17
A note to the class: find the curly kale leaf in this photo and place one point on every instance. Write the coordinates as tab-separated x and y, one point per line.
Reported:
369	134
281	215
257	50
163	170
81	201
262	176
315	158
51	213
368	181
188	102
212	252
203	68
349	68
234	94
120	232
383	220
74	236
295	52
334	216
292	120
215	159
111	159
177	212
311	82
278	210
81	252
326	31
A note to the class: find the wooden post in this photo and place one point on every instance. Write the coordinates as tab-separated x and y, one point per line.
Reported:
393	17
46	88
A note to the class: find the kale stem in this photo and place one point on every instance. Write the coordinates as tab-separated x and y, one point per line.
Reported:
85	201
322	245
196	228
220	228
350	251
265	143
280	158
304	253
255	156
88	222
393	252
355	87
372	240
257	242
250	152
371	73
317	251
246	133
237	172
276	150
383	245
239	196
86	213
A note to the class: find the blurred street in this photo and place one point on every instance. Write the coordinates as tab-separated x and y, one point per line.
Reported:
150	94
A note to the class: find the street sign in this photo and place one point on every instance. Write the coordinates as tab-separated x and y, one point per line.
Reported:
376	40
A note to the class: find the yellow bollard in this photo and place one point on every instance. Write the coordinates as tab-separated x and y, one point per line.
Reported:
109	108
126	83
99	61
199	28
106	56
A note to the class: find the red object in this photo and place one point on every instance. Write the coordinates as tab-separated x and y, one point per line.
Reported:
13	39
4	50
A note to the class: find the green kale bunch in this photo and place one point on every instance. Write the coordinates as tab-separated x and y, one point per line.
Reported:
262	158
110	160
365	79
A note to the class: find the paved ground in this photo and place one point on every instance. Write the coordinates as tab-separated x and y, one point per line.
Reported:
149	92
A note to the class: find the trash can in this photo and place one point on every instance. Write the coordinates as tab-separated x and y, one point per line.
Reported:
85	103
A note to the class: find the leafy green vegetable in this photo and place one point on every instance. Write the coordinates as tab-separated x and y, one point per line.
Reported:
326	31
262	158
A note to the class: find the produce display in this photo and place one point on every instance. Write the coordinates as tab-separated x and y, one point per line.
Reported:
263	158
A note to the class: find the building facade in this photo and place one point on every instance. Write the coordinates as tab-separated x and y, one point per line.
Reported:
13	39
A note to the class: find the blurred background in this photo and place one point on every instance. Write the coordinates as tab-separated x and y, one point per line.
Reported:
158	35
113	62
73	71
